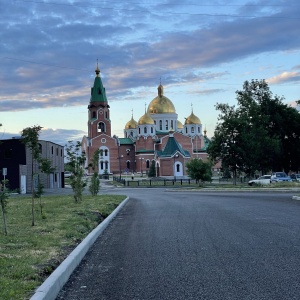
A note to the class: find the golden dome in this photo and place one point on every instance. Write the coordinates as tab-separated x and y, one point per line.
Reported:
192	119
179	125
161	104
132	124
146	120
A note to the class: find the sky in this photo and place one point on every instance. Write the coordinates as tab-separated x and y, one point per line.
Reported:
200	51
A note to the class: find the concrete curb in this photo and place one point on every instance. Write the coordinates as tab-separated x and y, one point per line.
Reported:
54	283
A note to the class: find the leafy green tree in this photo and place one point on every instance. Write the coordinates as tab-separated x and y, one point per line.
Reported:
95	181
261	133
151	172
226	145
4	202
274	124
30	137
199	170
45	166
76	160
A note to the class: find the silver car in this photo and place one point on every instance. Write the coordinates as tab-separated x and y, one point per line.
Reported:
262	180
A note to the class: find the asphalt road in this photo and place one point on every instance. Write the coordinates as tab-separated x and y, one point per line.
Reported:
194	245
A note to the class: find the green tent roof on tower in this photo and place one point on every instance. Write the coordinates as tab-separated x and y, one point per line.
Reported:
98	93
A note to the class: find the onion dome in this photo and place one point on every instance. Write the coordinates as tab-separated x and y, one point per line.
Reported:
179	125
146	120
132	124
192	119
161	104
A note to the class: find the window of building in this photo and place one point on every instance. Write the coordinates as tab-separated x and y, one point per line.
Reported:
167	125
106	165
40	148
101	165
185	129
128	164
151	129
198	129
101	152
105	152
139	130
106	114
172	124
177	168
101	127
8	153
160	124
193	129
94	116
147	163
145	129
131	133
52	150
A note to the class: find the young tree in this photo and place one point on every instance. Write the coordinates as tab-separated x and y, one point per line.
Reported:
76	161
45	167
95	181
151	172
199	170
3	202
30	137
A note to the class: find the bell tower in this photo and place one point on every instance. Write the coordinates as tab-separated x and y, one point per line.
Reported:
98	109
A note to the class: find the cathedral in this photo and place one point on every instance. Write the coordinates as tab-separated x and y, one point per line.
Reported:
158	136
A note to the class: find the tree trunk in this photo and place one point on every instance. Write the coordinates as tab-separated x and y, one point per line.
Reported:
4	220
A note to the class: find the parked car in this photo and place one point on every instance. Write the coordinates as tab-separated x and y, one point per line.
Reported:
295	177
265	179
279	177
67	174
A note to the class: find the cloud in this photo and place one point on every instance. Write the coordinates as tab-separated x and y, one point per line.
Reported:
285	77
48	50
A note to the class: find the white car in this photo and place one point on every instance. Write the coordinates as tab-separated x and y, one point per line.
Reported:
262	180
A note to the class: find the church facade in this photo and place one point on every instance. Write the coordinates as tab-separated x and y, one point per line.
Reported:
158	136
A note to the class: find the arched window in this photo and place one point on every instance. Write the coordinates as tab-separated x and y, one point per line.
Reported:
167	125
106	114
145	129
128	164
193	129
172	124
101	165
151	129
105	152
131	133
198	129
160	124
101	152
147	163
101	127
94	115
185	129
106	165
177	168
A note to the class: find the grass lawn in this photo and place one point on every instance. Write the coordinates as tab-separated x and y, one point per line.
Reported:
29	254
